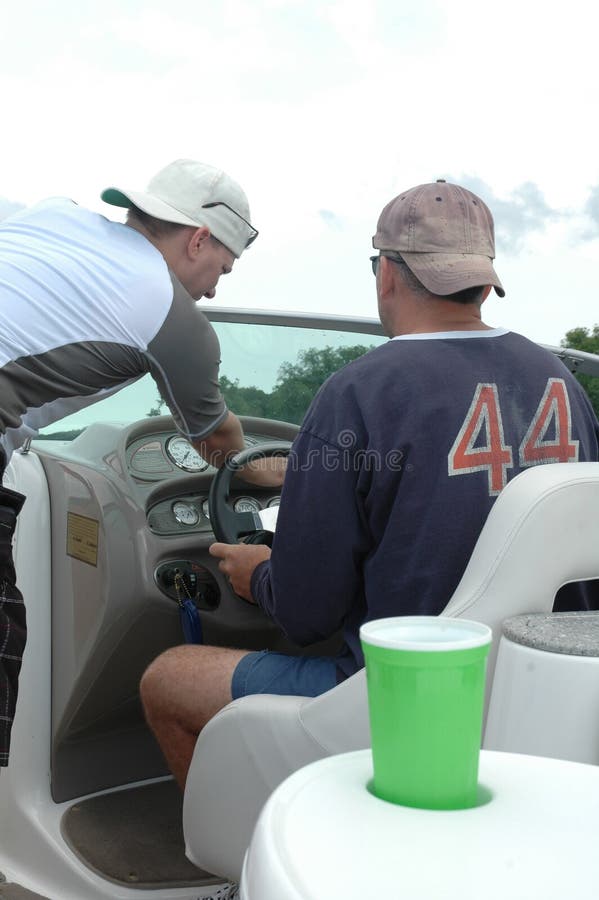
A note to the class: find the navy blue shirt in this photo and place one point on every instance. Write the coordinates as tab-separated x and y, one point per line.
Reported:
397	464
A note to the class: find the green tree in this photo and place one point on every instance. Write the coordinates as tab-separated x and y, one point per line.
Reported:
587	340
296	385
157	410
244	401
298	382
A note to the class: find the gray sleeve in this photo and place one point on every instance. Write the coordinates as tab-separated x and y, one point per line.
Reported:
184	359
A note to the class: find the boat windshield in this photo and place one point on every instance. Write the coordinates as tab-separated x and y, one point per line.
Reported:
268	369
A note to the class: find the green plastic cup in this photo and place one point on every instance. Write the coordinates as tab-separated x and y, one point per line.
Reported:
426	686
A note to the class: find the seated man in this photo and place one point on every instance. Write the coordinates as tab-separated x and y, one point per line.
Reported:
398	462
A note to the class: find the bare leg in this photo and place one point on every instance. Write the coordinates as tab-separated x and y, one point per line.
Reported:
181	691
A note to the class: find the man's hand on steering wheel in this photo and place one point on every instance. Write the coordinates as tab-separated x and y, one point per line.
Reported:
227	524
216	450
268	472
237	562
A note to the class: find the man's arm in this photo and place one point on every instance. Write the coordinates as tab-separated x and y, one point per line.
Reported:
314	576
184	360
226	440
238	562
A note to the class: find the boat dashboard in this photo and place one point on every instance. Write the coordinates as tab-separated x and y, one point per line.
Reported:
128	542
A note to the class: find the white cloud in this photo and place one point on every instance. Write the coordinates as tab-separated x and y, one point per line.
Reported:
7	207
323	110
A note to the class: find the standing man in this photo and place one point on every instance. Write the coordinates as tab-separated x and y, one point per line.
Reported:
398	462
87	306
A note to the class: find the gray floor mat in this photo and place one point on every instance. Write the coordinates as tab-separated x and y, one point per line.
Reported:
134	837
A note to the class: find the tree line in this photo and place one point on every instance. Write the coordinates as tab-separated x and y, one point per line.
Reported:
298	382
585	339
295	388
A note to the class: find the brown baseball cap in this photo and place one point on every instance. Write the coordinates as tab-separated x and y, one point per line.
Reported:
445	235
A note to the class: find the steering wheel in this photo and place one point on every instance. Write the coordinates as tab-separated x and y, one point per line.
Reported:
230	526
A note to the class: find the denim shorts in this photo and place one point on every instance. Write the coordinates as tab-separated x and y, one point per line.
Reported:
267	672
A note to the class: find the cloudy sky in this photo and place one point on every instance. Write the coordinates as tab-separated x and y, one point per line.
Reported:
323	110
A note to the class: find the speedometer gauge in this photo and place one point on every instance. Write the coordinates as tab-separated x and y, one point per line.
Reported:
246	504
185	513
184	455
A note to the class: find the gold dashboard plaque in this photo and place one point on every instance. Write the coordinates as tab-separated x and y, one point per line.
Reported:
82	538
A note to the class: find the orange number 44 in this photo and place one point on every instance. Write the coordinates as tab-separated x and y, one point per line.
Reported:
480	444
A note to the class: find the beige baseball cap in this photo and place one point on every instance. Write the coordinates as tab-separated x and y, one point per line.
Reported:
445	235
192	193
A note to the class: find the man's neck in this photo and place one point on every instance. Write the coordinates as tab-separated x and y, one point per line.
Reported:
437	316
449	325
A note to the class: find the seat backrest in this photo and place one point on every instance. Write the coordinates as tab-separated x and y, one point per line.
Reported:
542	532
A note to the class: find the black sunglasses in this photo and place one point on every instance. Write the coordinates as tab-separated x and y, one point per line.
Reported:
374	260
254	231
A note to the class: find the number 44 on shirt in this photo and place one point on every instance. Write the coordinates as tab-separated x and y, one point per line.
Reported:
469	454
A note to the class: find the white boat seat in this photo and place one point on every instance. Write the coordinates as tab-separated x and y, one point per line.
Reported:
254	743
546	687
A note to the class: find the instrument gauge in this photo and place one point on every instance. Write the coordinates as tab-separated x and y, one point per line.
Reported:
246	504
184	455
274	501
185	513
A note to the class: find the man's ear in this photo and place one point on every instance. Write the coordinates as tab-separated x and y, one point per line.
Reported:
198	239
387	276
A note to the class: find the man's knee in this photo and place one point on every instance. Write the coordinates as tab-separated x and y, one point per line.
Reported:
163	676
152	681
187	675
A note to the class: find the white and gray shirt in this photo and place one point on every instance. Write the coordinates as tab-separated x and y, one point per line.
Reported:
87	306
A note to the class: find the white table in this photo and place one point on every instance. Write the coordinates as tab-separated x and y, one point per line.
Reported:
323	836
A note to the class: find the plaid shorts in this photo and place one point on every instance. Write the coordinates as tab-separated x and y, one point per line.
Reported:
13	630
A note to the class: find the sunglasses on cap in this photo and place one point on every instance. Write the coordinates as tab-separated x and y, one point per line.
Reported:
254	231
